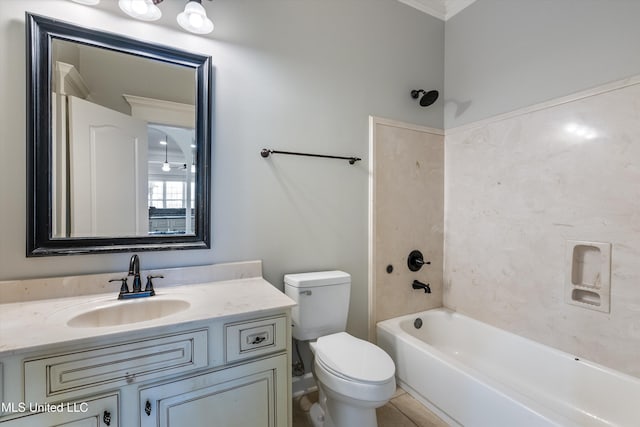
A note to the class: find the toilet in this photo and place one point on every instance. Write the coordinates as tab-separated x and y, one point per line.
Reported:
354	377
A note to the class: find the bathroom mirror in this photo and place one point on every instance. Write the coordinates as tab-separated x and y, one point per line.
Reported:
118	136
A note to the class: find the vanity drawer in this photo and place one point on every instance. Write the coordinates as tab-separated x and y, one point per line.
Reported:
78	373
252	339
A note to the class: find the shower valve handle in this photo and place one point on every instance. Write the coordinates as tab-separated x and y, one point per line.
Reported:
415	261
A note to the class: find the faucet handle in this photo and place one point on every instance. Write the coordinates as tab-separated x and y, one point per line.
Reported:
124	289
149	285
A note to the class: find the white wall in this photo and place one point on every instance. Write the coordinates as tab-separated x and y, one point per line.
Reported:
506	54
290	75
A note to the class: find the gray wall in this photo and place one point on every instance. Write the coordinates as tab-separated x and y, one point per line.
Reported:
501	55
290	75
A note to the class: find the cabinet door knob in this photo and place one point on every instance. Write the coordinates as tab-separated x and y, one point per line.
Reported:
106	418
147	408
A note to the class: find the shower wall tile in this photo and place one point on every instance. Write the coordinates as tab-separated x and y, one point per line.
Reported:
516	190
408	215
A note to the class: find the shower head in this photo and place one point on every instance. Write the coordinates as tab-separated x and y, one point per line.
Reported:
426	98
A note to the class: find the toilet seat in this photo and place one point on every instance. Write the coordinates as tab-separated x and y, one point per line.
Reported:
353	359
354	371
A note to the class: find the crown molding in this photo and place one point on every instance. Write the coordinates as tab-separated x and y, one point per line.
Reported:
161	111
452	7
441	9
68	81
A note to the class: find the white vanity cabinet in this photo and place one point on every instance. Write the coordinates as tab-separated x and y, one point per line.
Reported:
250	395
234	370
94	412
251	391
211	348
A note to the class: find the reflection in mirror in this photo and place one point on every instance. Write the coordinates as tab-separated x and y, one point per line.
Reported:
171	185
120	132
103	144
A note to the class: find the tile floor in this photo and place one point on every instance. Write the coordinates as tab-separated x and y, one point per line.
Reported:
401	411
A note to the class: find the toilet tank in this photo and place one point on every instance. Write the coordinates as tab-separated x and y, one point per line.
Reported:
323	302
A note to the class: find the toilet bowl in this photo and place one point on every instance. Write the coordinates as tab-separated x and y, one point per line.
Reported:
354	378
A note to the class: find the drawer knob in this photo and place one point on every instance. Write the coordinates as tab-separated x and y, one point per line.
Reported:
147	408
106	418
258	339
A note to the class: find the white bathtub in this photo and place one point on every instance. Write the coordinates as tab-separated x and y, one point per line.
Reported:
473	374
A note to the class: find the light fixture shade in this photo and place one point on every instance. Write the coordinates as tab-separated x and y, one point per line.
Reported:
194	19
166	167
144	10
87	2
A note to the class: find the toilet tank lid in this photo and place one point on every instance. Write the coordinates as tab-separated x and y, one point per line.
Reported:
317	278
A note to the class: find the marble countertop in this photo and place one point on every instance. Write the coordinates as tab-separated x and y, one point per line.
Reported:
32	325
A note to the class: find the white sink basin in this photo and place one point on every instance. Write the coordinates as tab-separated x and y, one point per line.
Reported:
125	312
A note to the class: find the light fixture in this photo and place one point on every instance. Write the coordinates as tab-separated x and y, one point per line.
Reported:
165	166
194	18
145	10
193	156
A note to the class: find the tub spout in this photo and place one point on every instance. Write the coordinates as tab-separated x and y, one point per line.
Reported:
419	285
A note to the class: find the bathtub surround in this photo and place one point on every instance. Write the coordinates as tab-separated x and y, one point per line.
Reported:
505	238
517	188
406	214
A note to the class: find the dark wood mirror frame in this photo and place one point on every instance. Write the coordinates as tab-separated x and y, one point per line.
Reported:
40	242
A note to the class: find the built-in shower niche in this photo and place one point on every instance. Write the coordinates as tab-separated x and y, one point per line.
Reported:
588	276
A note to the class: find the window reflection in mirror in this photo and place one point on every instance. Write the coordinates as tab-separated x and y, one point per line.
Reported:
112	174
171	180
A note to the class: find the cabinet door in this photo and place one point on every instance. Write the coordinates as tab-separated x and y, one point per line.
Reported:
99	412
253	394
